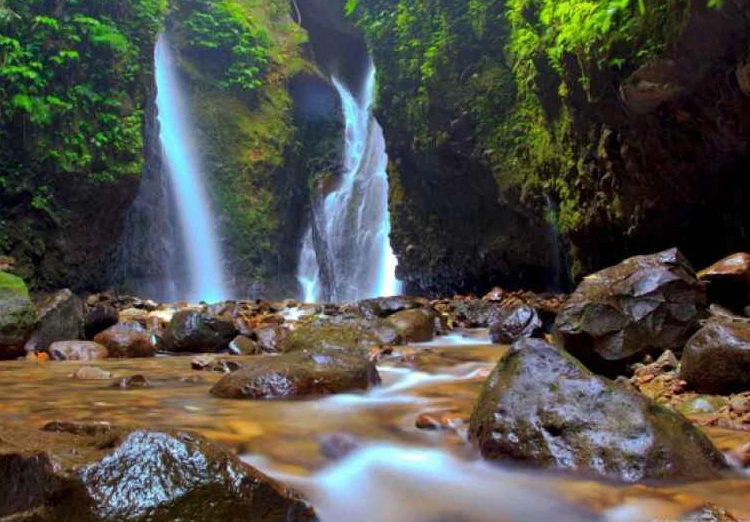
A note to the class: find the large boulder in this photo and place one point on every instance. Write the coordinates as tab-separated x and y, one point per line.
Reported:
349	333
59	318
415	325
299	374
728	281
540	406
515	321
198	331
138	476
17	316
127	340
717	358
646	303
381	307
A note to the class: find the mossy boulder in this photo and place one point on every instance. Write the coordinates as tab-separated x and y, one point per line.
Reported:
17	315
299	374
542	407
414	326
349	333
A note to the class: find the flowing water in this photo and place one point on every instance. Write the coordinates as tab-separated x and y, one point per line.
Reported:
346	255
204	266
398	474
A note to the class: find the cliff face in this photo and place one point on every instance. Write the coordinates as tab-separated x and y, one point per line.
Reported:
622	128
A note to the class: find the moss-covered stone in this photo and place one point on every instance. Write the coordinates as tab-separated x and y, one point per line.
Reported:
17	315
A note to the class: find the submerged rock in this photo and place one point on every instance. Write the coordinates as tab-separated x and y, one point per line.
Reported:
717	358
299	374
414	326
646	303
77	351
59	318
91	373
141	476
198	331
127	340
728	281
514	322
542	407
17	316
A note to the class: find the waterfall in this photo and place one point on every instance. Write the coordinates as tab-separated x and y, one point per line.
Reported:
348	240
195	221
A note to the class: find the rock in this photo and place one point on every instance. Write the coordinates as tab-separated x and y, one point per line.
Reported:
127	340
99	318
646	303
382	307
540	406
708	513
17	316
702	404
78	428
91	373
495	295
197	331
515	322
214	364
728	281
299	374
336	446
743	78
271	338
132	382
414	326
473	313
439	421
134	315
77	351
347	333
650	86
59	318
242	345
716	359
136	476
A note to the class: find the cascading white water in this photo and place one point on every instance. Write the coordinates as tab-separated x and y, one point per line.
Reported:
353	221
204	266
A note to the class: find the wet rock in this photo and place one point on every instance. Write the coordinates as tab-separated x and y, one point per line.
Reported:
439	421
271	338
212	363
299	374
17	316
77	351
127	340
91	373
708	513
646	303
59	318
473	313
99	318
134	315
198	331
349	333
728	281
78	428
514	322
414	326
242	345
540	406
336	446
132	382
717	358
382	307
702	404
496	295
141	476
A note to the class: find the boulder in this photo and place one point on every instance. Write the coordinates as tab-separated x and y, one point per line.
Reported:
541	407
59	318
17	316
382	307
716	360
99	318
77	351
514	322
136	476
271	338
344	332
198	331
645	304
299	374
473	313
242	345
415	325
127	340
728	281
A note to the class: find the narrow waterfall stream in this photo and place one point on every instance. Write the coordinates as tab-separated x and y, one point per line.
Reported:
204	265
352	223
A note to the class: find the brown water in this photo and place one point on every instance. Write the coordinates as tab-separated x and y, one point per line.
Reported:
419	471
